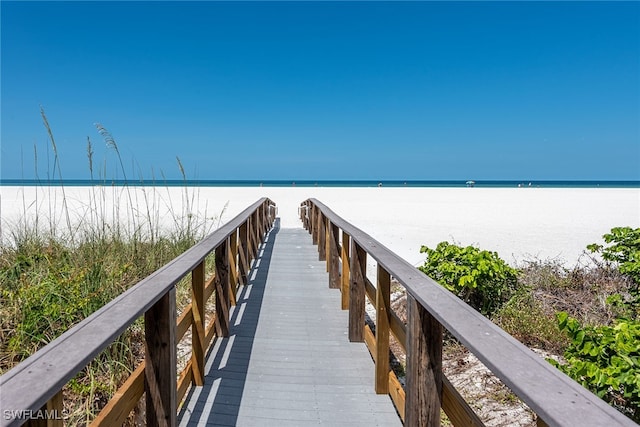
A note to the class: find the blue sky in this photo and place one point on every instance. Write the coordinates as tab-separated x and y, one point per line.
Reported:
326	90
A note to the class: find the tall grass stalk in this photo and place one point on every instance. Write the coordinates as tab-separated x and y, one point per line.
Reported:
56	165
50	280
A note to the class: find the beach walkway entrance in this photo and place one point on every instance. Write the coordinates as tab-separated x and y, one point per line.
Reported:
288	360
289	328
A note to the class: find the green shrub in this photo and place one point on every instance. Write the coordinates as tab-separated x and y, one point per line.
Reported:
605	360
624	251
480	278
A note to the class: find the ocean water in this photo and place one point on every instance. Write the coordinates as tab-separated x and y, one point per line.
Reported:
326	183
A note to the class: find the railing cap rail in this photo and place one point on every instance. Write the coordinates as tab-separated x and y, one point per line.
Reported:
551	394
31	383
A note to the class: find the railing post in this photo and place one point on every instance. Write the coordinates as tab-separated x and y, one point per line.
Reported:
243	253
313	224
250	239
265	217
346	275
160	361
327	242
197	326
304	215
233	266
322	237
334	268
222	289
50	415
261	221
255	226
383	308
357	292
424	366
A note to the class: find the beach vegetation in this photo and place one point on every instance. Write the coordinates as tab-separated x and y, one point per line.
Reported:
606	360
622	252
584	319
60	263
479	277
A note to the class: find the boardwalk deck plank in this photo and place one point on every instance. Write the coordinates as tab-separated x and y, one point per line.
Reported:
288	359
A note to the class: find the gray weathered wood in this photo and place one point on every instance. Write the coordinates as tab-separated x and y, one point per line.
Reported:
287	361
552	395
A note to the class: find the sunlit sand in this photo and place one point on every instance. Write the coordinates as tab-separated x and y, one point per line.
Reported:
518	223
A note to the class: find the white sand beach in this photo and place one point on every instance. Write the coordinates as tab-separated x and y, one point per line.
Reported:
518	223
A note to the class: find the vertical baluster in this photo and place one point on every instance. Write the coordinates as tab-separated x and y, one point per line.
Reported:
357	292
346	275
322	237
233	266
50	415
424	366
197	325
243	253
334	269
327	242
314	224
222	289
383	309
160	361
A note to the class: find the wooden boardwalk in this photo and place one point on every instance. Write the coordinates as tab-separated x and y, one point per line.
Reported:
288	360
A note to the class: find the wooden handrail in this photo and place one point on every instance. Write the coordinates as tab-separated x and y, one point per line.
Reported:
36	382
553	396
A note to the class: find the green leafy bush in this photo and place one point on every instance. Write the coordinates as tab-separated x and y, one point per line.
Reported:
605	360
480	278
624	251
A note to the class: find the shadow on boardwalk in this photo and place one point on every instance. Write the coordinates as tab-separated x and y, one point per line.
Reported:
288	360
218	401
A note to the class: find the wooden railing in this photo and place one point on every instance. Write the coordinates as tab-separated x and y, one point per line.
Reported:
32	389
555	398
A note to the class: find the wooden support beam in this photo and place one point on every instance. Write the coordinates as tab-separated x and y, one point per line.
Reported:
198	349
424	367
160	361
327	242
244	253
334	258
457	409
222	289
233	266
322	237
255	222
123	401
313	224
383	308
50	415
356	292
346	275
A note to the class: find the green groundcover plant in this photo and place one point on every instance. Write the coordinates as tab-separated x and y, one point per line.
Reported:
605	360
480	278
